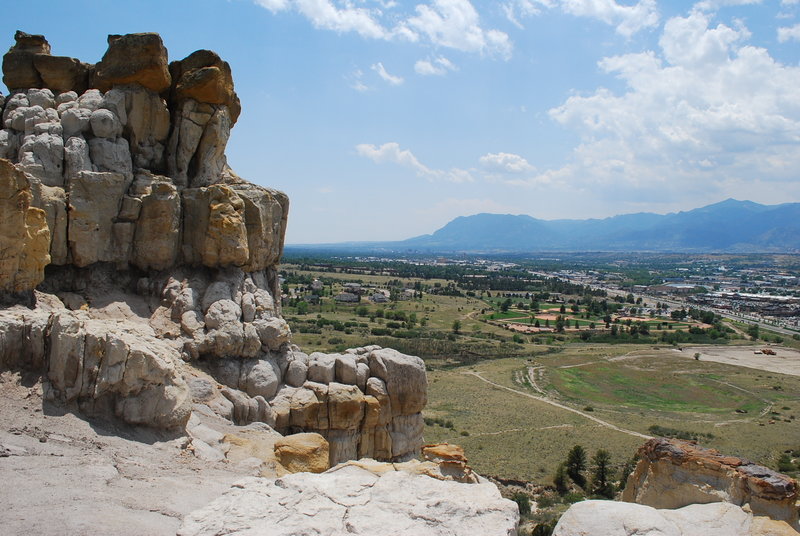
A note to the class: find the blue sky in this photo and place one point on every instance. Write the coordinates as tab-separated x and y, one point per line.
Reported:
386	119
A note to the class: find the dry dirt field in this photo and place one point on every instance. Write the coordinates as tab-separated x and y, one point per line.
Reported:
787	360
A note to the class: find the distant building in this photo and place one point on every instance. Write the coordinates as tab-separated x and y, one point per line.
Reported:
352	288
379	297
347	297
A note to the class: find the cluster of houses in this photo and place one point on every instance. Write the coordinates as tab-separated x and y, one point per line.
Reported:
350	293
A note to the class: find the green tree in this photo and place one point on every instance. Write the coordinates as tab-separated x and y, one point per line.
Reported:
753	331
456	326
576	464
600	474
560	479
302	307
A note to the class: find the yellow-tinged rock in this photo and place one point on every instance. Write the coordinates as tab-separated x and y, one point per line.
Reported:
303	453
24	235
444	452
226	234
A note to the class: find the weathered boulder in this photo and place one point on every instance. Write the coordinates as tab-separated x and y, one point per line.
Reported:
357	498
204	77
608	518
133	59
673	473
306	452
61	73
18	69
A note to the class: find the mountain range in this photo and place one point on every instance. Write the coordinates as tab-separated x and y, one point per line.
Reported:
730	226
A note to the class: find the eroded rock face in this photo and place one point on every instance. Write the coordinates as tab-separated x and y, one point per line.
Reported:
117	206
24	234
101	366
358	498
673	473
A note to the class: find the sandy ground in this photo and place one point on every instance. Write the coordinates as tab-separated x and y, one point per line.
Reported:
61	474
787	360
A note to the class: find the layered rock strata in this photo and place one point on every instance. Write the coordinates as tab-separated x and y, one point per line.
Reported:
673	473
154	266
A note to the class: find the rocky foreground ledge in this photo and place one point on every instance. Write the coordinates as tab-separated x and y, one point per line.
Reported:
682	489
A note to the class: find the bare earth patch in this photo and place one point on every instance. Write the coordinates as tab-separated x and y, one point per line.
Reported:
787	360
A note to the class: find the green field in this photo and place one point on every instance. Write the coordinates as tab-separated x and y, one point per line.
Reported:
514	436
634	387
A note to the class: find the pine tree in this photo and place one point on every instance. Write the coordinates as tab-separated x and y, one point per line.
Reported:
560	480
600	474
576	464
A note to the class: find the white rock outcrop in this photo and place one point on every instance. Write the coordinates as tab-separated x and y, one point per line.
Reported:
609	518
356	498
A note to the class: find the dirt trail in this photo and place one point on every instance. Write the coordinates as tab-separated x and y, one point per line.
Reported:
562	406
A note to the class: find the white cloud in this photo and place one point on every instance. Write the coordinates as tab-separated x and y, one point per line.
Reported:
274	5
391	79
355	81
710	5
434	67
392	153
443	23
707	116
627	19
456	24
791	33
516	9
506	163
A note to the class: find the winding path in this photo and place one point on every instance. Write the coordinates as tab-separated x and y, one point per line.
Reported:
562	406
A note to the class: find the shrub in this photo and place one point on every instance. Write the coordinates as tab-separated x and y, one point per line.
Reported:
523	502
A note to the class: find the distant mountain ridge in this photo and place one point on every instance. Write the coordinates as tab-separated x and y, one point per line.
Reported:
729	226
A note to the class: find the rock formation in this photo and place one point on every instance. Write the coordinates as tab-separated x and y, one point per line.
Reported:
608	518
358	498
673	473
153	266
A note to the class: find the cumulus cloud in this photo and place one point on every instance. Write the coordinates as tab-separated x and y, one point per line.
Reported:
392	153
434	67
444	23
715	114
791	33
391	79
627	19
505	163
456	24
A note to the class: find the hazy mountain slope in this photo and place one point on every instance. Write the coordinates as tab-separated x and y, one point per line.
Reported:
730	225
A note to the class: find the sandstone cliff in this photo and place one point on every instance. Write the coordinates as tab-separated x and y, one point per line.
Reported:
673	473
139	272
